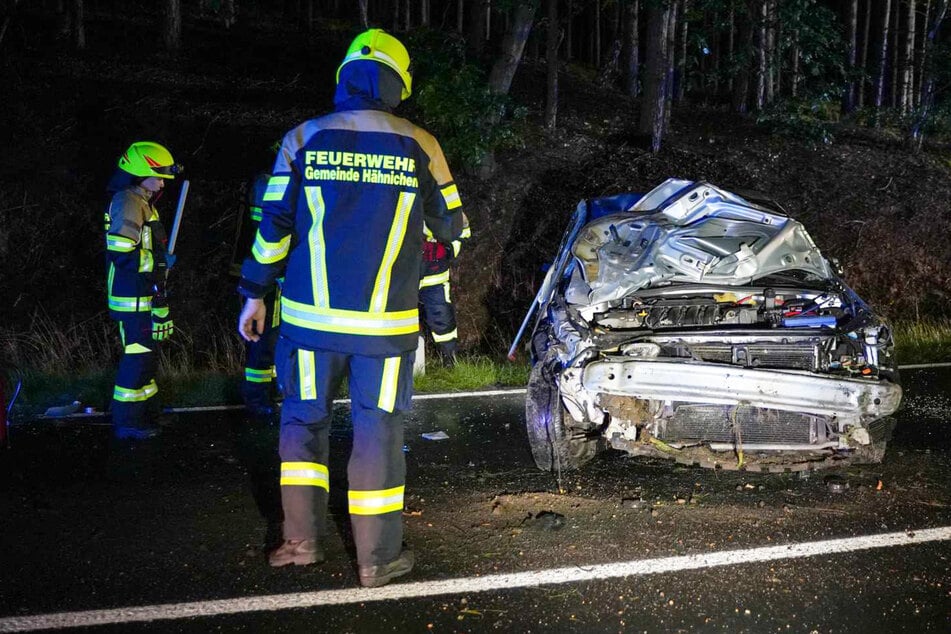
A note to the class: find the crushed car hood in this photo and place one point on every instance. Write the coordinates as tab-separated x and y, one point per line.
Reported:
688	232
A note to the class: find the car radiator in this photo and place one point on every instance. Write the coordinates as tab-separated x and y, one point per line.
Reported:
801	357
715	423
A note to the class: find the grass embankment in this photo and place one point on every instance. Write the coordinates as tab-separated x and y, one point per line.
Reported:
916	342
203	388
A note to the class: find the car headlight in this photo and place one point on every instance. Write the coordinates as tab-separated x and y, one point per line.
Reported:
641	350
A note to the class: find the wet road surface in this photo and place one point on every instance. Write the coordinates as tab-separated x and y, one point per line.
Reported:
149	532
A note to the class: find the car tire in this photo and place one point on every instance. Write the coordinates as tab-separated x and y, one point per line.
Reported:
555	445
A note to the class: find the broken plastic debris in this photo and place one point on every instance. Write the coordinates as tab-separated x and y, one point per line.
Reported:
436	435
63	410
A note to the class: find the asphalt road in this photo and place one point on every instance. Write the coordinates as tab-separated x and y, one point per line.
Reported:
170	535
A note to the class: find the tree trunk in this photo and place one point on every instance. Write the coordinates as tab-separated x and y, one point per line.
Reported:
851	31
671	50
396	15
923	55
552	42
908	61
513	44
652	104
883	55
407	15
597	33
172	33
632	54
777	53
77	25
794	69
927	100
364	13
682	54
896	23
424	12
476	36
741	82
760	54
770	74
460	10
863	60
569	51
715	51
308	21
916	89
730	52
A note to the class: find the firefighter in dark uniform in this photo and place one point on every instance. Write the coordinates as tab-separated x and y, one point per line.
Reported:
345	210
137	265
435	302
257	388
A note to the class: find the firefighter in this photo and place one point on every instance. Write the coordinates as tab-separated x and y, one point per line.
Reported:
257	388
435	301
137	266
345	210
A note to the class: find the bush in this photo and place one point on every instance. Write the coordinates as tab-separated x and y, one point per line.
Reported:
806	119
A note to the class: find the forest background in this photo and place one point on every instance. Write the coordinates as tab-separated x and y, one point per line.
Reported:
837	109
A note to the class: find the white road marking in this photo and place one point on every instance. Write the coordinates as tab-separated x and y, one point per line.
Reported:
470	585
416	397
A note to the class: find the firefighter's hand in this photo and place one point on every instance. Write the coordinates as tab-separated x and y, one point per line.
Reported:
162	325
251	321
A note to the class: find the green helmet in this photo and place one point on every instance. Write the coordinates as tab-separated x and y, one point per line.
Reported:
146	159
379	46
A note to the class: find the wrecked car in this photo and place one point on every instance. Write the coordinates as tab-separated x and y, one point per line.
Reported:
703	326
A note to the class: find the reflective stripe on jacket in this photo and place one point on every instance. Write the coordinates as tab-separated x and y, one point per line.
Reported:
130	253
344	210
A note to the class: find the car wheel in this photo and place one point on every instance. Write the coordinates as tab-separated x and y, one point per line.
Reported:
555	445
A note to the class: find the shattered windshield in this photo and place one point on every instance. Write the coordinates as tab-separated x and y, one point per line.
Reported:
692	233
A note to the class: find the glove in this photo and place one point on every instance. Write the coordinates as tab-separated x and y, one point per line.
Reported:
170	260
162	324
434	251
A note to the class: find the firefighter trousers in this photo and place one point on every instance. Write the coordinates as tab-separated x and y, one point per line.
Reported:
439	315
134	402
380	393
256	389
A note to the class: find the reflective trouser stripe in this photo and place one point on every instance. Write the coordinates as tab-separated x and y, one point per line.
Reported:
389	383
306	375
449	336
254	375
433	280
135	348
305	474
131	395
376	502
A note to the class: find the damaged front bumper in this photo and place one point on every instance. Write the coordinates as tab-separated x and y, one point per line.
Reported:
845	402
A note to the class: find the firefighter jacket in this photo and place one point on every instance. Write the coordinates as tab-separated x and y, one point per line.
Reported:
438	257
135	252
345	209
248	221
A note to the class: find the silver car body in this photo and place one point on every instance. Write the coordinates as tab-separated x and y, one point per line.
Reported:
697	318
